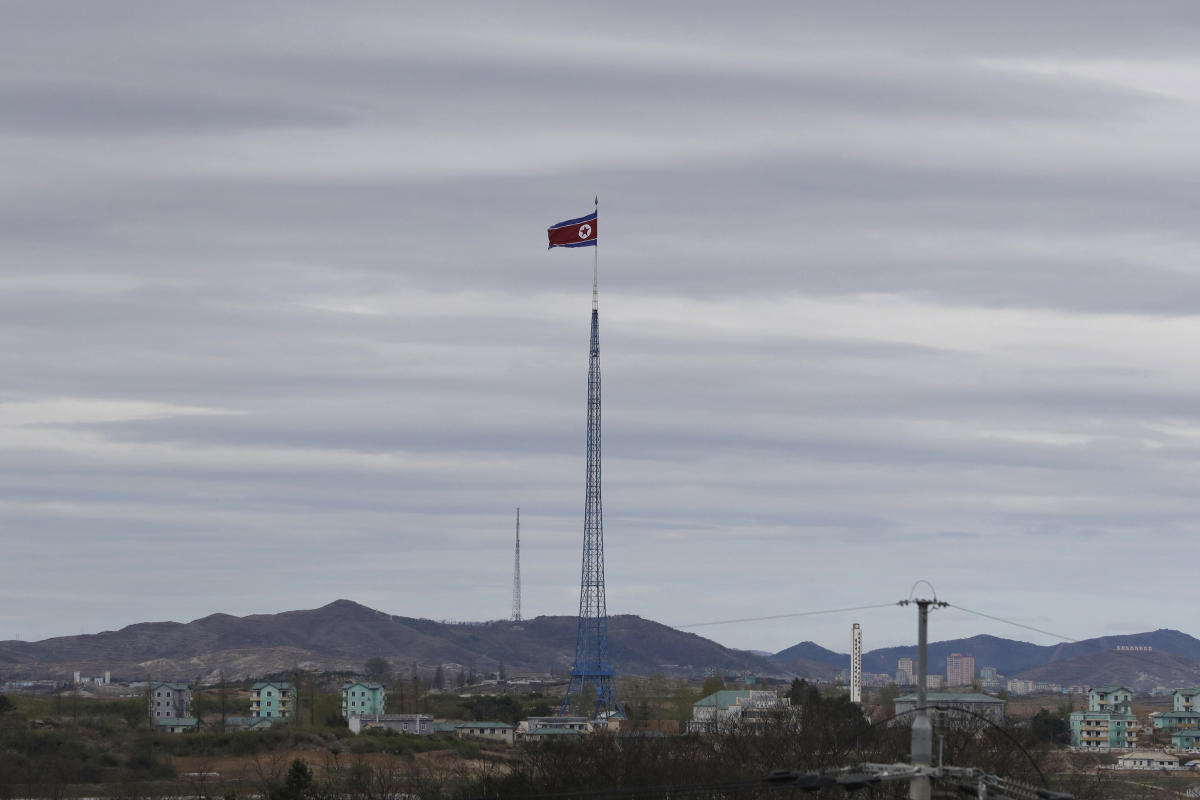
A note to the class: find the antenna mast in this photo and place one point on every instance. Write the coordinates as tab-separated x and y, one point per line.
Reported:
516	614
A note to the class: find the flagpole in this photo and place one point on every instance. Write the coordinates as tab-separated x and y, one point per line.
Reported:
596	262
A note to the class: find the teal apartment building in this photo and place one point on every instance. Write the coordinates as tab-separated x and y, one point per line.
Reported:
1108	723
1183	720
362	698
273	699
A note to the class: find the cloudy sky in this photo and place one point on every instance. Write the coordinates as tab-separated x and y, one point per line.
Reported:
888	292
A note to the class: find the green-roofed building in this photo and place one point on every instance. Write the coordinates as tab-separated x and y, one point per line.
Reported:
273	699
1186	699
735	707
1185	740
1108	723
1115	699
363	697
177	724
1103	730
1176	720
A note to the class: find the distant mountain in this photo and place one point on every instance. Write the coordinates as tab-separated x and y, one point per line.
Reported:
1138	671
343	634
1051	663
809	659
1006	655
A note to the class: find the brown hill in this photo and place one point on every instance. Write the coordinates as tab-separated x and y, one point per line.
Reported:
1140	671
343	634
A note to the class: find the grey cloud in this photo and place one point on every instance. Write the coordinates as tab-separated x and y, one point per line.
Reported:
95	108
400	361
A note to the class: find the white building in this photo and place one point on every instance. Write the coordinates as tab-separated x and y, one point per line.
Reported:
1147	759
496	731
415	724
170	700
735	707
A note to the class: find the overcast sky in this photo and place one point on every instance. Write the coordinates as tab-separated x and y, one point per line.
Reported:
888	292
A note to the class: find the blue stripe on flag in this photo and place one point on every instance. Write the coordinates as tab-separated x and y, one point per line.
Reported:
588	218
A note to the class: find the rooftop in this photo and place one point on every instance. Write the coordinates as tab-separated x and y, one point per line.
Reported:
557	732
729	697
951	697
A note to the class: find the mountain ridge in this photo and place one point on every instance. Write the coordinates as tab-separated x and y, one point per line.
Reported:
343	634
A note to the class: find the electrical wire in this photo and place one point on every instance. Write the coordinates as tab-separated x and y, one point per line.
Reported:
785	616
1015	624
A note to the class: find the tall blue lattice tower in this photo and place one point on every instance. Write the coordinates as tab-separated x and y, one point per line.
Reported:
592	672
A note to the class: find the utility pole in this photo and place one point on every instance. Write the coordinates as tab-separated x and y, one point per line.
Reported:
922	729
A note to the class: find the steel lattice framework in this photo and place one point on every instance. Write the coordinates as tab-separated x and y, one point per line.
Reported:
592	670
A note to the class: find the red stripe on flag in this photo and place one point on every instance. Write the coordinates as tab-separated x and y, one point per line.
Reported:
573	234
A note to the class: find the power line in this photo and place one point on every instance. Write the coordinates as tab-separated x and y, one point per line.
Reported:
1016	624
786	616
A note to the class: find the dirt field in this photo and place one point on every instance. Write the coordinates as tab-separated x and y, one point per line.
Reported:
252	772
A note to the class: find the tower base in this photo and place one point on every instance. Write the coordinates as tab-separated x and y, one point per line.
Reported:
600	685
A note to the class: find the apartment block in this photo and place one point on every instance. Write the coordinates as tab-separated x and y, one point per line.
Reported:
275	699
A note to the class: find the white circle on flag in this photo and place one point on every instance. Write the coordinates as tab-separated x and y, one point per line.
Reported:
585	231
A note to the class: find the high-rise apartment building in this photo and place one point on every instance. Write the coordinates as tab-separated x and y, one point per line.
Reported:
960	670
904	672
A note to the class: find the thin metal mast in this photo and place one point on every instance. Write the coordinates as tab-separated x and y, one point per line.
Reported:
516	615
592	672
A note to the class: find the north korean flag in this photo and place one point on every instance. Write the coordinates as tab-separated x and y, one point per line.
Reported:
579	232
